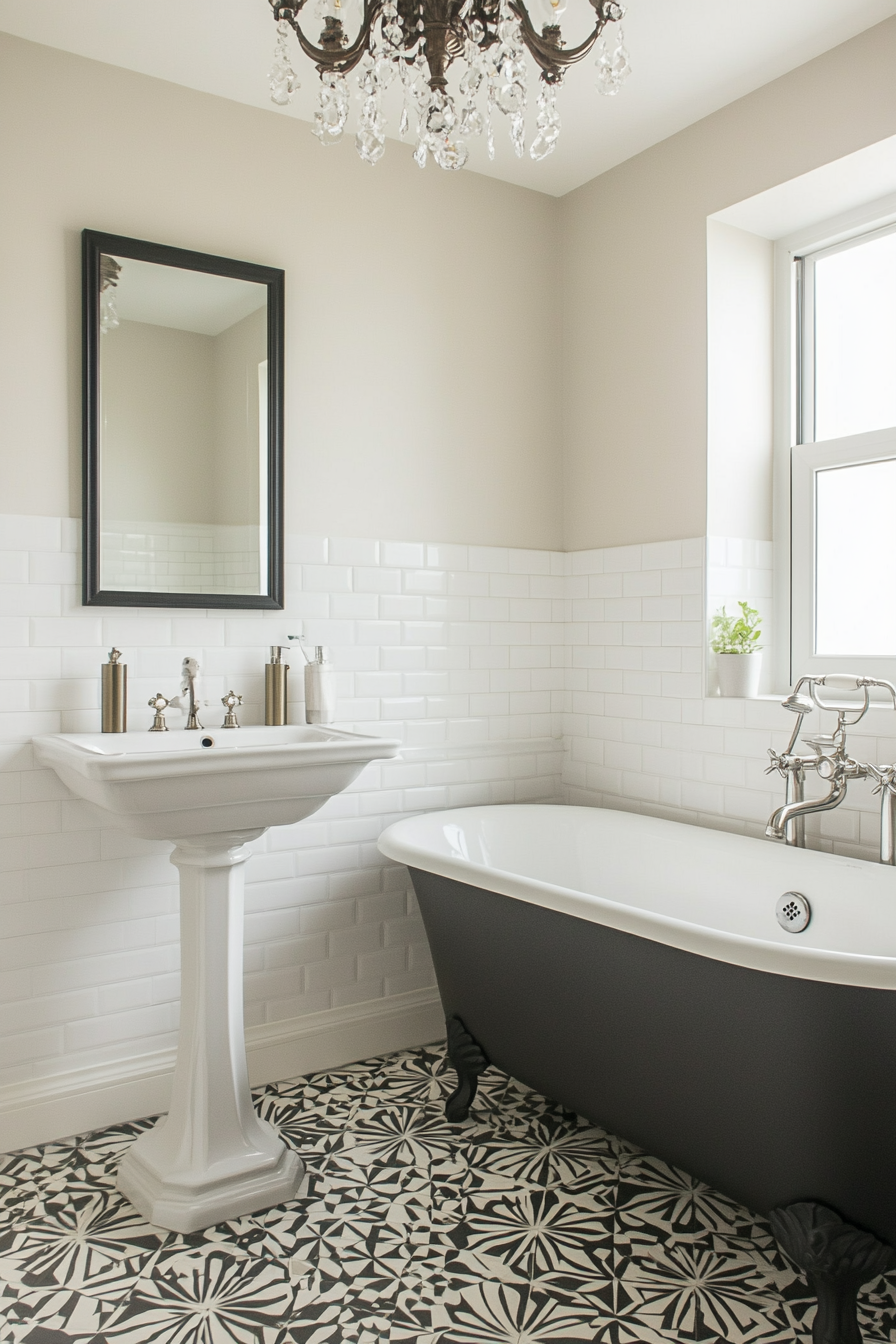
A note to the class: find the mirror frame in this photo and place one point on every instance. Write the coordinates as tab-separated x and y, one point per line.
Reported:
93	244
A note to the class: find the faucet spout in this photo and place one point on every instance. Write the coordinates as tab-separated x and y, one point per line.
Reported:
190	675
777	822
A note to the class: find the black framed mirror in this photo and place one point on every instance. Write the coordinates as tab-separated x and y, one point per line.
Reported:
183	427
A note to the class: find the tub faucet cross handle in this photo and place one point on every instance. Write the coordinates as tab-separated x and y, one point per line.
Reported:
779	762
885	776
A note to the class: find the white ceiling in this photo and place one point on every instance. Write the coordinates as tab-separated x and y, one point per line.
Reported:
167	296
688	60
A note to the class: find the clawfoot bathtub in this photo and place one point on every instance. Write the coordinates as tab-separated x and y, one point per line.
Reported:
635	970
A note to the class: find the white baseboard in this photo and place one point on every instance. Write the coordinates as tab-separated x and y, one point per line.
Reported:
42	1109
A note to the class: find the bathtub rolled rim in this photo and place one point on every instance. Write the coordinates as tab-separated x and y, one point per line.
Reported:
800	961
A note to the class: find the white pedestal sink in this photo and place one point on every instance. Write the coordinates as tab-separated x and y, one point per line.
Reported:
210	792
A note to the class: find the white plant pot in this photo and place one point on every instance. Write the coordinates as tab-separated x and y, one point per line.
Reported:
739	674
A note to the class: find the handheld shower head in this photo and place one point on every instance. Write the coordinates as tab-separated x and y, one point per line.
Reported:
798	704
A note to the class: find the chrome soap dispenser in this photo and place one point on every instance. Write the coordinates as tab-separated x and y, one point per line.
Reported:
115	694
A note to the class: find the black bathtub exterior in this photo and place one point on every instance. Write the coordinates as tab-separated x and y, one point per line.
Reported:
769	1088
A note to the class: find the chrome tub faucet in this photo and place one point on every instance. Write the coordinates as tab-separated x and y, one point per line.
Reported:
830	760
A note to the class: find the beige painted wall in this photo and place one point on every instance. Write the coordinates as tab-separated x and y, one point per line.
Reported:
634	243
180	437
740	273
157	397
423	381
422	312
238	351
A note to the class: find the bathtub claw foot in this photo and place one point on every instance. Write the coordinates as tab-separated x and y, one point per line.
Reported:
468	1062
836	1259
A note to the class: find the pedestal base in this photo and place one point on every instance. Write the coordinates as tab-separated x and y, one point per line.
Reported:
178	1201
211	1158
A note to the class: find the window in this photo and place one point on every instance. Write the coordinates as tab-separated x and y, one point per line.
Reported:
843	465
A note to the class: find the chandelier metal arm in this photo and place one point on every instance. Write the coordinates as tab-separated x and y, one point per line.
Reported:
551	58
338	59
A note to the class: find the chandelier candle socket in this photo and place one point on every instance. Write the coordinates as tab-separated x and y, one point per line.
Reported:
415	42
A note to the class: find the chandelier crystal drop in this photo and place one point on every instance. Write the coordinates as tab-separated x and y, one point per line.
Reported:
110	270
612	63
412	44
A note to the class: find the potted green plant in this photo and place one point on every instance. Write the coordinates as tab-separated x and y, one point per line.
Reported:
735	642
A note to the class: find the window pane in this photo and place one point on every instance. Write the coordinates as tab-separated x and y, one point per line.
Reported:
855	599
855	339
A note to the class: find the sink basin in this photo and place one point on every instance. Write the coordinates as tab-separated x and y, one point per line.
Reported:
167	785
210	792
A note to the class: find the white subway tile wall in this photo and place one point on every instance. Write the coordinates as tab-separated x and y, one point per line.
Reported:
447	647
641	734
479	658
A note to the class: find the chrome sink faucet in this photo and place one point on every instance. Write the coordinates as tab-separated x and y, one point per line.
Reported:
830	760
189	678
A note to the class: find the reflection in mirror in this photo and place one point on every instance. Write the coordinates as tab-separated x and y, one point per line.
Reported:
182	433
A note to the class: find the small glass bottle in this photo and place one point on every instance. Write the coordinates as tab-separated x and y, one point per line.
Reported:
320	688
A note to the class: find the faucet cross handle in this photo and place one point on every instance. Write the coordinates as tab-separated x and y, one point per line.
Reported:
886	787
159	704
885	776
778	762
230	702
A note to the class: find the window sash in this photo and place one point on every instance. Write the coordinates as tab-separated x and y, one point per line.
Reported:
804	332
806	461
808	457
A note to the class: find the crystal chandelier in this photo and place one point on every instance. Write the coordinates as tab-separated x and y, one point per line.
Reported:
414	42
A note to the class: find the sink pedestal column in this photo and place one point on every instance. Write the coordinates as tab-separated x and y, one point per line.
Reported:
211	1158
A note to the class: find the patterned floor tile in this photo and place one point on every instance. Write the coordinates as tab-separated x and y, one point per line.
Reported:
93	1242
525	1224
205	1295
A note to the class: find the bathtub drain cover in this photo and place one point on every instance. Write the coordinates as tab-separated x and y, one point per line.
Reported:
793	911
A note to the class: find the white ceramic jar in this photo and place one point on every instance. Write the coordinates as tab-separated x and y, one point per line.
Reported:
739	674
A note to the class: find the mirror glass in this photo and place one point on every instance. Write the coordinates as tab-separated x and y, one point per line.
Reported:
183	453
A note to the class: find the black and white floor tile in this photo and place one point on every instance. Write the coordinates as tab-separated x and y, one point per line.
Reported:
525	1224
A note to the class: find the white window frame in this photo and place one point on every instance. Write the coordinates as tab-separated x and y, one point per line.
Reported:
807	460
796	463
